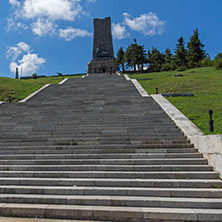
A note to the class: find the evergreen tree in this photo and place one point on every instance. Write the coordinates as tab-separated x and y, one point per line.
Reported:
135	55
128	56
180	54
155	59
135	49
141	56
206	62
120	60
169	63
218	61
196	52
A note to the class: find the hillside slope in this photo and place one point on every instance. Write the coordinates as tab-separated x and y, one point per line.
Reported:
205	83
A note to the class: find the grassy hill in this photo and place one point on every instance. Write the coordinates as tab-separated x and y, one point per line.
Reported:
205	83
18	89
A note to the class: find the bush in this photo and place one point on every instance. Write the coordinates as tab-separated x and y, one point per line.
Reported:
181	68
168	67
206	62
192	64
218	63
34	76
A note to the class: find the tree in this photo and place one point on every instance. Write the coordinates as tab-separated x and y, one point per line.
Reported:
128	57
169	63
131	55
180	54
34	76
196	52
135	56
140	56
120	60
155	59
218	61
206	62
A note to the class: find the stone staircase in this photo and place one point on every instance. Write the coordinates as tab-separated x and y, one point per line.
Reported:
94	149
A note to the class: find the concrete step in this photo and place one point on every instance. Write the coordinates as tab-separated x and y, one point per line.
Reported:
110	213
110	174
102	156
113	182
75	143
123	201
17	151
160	161
22	219
120	168
114	191
108	147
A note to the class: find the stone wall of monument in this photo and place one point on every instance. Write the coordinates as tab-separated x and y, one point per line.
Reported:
103	56
102	66
102	38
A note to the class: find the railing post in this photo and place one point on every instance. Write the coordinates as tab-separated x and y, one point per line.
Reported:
9	99
211	122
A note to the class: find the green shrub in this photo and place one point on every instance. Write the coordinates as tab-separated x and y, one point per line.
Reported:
34	76
181	68
206	62
218	63
192	64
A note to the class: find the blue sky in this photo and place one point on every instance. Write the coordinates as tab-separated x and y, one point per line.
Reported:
49	36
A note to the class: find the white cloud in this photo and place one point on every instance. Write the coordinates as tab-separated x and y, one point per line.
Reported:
52	9
15	25
148	24
42	15
71	33
29	62
119	31
91	1
43	27
14	2
15	51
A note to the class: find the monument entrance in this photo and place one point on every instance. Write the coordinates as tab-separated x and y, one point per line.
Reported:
103	56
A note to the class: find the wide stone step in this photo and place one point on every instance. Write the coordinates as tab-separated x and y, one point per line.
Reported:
110	174
110	182
123	201
70	117
22	219
108	147
67	121
88	144
17	151
110	213
114	191
102	156
181	161
120	168
95	140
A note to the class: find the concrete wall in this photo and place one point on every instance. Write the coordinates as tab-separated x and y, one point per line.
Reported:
209	145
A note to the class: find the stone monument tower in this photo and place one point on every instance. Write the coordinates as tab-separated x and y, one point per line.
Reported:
103	57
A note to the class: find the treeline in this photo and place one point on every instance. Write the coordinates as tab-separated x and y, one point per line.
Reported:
184	57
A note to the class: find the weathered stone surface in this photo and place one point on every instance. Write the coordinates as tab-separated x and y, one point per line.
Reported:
102	48
104	153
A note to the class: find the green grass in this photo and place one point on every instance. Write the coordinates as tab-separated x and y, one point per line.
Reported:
18	89
205	83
